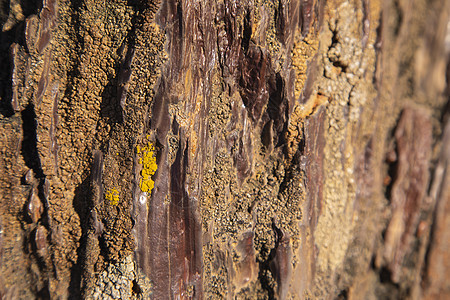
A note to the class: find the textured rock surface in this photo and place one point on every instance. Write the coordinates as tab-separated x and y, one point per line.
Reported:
301	149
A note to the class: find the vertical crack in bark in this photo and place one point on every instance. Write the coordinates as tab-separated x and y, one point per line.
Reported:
29	143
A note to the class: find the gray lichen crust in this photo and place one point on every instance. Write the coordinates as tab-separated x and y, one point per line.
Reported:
121	281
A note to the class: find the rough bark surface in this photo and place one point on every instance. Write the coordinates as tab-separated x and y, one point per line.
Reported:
225	149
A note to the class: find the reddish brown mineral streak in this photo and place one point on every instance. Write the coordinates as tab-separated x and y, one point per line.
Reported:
247	268
170	251
435	282
41	239
413	138
282	264
48	17
313	162
53	127
168	230
14	82
315	144
34	206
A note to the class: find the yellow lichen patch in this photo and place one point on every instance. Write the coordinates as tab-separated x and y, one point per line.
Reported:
112	196
148	161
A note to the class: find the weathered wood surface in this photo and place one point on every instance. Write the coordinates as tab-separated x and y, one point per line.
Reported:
232	149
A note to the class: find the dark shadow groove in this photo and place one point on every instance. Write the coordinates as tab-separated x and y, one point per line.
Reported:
29	143
82	204
30	7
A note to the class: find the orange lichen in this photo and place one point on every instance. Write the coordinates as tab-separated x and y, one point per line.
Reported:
301	112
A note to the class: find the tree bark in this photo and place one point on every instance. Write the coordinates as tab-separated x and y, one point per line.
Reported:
225	149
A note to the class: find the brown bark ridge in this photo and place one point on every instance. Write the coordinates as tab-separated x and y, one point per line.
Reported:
224	149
